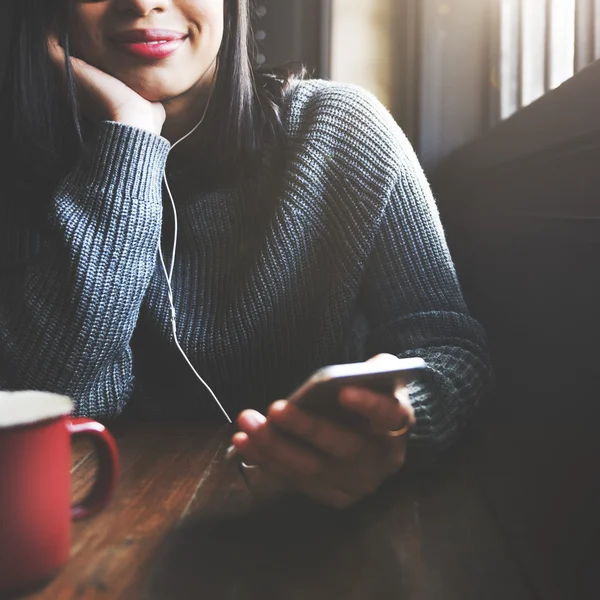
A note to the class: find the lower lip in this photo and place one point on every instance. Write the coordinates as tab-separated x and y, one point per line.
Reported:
151	51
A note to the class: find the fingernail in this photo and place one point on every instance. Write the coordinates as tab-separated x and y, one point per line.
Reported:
279	406
254	419
277	411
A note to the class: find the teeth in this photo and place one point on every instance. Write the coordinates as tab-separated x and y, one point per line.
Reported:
156	42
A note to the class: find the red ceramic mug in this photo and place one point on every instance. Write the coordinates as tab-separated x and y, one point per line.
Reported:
35	484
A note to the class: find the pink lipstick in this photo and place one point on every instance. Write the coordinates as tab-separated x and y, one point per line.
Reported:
149	44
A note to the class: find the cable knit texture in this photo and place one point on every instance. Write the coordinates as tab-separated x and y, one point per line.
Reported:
331	252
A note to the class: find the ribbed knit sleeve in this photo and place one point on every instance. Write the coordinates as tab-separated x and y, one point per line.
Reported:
391	248
69	308
414	307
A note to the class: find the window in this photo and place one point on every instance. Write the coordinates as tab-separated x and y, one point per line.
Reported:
543	43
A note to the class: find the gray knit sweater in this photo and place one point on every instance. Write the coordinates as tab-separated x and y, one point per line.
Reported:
332	253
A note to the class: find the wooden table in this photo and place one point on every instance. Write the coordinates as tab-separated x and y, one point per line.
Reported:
185	525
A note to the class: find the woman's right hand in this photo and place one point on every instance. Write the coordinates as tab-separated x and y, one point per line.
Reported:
105	97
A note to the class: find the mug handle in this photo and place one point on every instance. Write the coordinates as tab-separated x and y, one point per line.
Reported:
108	466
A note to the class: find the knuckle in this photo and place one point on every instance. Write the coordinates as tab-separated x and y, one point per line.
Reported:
305	427
311	468
320	435
352	448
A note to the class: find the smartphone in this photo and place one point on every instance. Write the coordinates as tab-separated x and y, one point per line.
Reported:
319	393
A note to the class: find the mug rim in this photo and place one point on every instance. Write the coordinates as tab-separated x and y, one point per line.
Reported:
27	407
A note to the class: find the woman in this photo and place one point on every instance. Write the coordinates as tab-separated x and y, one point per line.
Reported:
308	236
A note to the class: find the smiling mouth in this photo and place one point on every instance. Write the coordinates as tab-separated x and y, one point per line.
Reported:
149	44
151	50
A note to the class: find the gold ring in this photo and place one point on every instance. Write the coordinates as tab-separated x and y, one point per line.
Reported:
398	432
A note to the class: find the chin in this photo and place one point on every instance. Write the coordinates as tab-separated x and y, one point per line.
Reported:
157	93
155	89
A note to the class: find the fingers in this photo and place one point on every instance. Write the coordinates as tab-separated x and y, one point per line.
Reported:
384	413
321	433
321	459
384	359
57	55
315	487
269	448
391	415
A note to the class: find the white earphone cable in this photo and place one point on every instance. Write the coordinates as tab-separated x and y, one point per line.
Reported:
169	273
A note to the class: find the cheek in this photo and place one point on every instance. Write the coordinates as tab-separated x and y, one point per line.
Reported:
85	36
207	17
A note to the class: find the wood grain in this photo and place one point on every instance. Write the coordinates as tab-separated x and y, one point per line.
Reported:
161	469
421	538
184	524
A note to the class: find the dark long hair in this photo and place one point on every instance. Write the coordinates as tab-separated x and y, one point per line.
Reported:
242	119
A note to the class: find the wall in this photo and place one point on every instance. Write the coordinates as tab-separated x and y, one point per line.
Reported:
427	60
361	45
455	78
